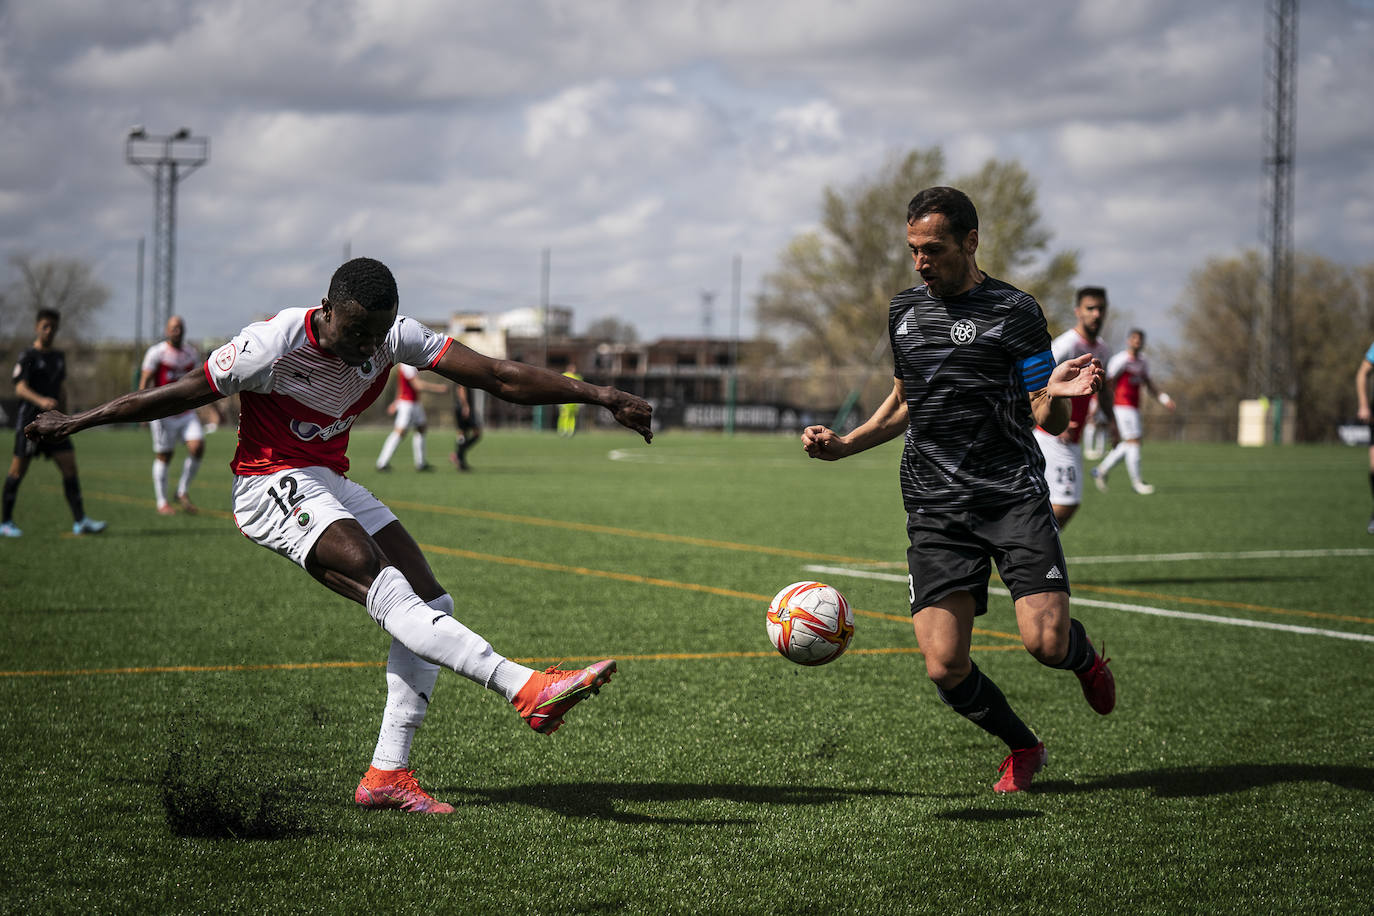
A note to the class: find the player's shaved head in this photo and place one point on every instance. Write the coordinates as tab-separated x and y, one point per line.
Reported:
367	282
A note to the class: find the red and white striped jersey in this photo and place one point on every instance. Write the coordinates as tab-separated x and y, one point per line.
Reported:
405	374
168	363
1066	346
1126	374
298	401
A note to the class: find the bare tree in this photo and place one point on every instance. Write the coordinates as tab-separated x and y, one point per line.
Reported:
65	284
1329	328
612	330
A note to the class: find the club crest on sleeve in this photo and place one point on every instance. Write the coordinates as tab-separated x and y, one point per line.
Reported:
225	356
963	332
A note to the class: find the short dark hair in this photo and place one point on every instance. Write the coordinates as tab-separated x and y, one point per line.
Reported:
367	282
1097	292
1136	331
52	315
952	203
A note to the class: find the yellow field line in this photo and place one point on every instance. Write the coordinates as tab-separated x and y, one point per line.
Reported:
574	659
660	583
754	548
621	532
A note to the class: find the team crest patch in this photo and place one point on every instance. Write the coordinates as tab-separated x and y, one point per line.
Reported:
225	355
963	332
304	519
367	369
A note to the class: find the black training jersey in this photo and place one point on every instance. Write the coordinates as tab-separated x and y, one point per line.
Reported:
963	362
42	370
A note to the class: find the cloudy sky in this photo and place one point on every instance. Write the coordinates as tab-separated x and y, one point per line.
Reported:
645	144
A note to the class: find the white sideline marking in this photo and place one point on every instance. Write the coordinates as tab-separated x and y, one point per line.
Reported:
1228	555
1119	606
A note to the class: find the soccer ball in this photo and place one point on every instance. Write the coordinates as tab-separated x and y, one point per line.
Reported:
810	623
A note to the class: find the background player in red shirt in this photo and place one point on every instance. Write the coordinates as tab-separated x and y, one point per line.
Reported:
165	362
409	413
1127	373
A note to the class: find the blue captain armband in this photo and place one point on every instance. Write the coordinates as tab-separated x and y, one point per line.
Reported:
1035	370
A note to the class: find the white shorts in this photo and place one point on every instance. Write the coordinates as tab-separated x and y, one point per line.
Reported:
1127	421
167	432
1063	469
287	511
409	414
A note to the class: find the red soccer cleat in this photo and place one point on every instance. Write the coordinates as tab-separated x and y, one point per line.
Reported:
1020	768
1099	687
397	789
549	694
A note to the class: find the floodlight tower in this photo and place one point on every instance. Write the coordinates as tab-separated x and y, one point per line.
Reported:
1271	376
167	160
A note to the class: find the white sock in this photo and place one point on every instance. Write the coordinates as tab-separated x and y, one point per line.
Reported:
1112	458
508	678
160	482
1133	460
417	445
434	636
188	473
410	684
389	448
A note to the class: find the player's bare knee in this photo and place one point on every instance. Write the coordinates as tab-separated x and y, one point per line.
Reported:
947	674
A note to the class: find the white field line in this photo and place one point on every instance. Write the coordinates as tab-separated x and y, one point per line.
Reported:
1119	606
1227	555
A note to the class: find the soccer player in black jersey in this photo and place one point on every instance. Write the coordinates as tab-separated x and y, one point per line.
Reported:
973	377
38	379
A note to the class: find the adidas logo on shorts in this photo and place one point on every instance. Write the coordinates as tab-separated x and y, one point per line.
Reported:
1054	573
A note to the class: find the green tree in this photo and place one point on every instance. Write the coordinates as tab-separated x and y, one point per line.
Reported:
68	285
831	290
1331	322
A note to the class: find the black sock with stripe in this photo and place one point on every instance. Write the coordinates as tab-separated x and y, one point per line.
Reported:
978	699
1081	654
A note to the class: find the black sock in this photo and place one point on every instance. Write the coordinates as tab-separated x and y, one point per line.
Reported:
72	487
1081	654
11	493
977	699
1371	482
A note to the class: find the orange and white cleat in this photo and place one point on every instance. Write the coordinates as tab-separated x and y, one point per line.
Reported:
548	695
397	789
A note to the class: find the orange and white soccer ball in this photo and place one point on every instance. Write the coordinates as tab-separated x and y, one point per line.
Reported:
810	623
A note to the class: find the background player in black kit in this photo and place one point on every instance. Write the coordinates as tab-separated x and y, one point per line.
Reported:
38	380
973	376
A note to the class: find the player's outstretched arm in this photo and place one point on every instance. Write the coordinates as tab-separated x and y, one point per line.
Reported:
1072	378
888	422
186	393
520	383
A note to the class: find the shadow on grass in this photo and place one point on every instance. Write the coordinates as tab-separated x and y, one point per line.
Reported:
606	800
1197	782
987	815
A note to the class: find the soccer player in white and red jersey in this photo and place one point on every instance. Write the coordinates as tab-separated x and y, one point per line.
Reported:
409	413
165	362
1127	373
303	378
1064	452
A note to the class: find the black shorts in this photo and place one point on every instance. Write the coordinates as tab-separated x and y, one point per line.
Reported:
25	447
953	551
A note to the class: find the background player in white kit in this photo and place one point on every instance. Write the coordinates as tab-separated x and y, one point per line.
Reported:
1127	373
1064	452
303	378
165	362
410	414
